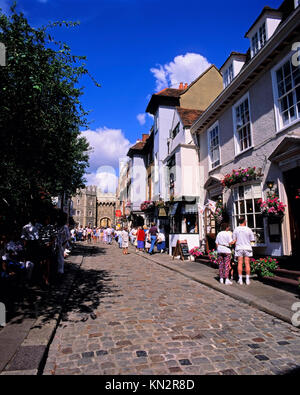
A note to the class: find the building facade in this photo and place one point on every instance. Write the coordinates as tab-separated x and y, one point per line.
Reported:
92	207
254	125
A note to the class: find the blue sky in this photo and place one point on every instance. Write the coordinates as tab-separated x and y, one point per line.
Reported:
125	39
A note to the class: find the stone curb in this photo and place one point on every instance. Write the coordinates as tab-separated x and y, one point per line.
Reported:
269	308
40	334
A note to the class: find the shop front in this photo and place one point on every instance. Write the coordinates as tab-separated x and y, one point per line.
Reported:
184	220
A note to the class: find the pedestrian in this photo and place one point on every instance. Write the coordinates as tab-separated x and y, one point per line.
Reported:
140	239
119	237
223	242
161	242
89	233
109	233
243	238
153	235
125	241
105	236
147	239
63	239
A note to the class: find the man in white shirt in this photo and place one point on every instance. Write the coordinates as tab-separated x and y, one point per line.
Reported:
243	237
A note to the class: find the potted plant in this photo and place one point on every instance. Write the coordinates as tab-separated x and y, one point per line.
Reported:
213	257
264	267
196	253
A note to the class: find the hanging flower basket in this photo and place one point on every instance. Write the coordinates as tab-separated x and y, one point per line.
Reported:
240	176
272	208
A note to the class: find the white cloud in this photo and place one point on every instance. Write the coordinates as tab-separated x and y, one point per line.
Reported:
141	118
184	68
108	145
105	178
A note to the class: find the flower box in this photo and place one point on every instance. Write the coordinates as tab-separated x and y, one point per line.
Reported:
240	176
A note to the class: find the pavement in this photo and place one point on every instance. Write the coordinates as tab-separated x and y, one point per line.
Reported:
138	315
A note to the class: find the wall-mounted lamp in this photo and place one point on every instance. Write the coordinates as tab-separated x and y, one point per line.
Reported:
270	184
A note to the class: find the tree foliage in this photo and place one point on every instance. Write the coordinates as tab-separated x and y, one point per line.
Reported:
41	115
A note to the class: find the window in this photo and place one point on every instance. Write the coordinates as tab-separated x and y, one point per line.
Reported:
90	214
246	204
172	175
175	131
287	93
242	124
214	146
259	39
78	213
228	76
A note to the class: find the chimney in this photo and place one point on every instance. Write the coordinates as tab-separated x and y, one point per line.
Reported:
181	86
185	86
145	137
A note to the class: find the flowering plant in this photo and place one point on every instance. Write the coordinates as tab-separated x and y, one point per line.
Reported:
196	252
264	266
272	206
239	176
146	205
213	256
218	214
298	194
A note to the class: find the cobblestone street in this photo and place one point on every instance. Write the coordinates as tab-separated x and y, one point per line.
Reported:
129	316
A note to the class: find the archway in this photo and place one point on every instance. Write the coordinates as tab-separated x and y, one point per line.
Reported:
105	222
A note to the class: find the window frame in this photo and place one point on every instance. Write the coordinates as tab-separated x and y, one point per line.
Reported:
235	216
209	131
278	117
261	39
235	131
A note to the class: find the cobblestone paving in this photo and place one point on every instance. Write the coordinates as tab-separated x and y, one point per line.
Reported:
152	321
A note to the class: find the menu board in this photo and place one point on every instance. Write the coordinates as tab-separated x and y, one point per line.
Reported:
182	250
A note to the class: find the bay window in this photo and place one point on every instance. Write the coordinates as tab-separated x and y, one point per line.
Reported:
246	204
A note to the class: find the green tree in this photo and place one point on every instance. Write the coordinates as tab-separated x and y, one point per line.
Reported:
41	149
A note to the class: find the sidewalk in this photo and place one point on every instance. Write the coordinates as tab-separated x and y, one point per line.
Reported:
25	339
271	300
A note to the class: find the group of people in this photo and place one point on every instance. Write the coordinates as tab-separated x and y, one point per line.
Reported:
143	238
90	234
235	245
37	251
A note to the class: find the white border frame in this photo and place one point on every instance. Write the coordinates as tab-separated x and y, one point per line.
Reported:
237	151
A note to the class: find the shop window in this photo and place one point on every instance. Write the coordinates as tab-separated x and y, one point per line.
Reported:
246	205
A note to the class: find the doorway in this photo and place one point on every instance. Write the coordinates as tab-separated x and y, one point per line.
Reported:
292	187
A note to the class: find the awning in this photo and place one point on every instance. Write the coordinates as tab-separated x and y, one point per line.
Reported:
189	209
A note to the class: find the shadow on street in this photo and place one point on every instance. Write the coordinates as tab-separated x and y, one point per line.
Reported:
88	287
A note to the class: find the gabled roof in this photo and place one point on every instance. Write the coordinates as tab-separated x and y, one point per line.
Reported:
187	116
170	96
137	148
272	12
235	55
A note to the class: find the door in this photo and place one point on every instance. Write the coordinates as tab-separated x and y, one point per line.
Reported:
210	229
292	186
